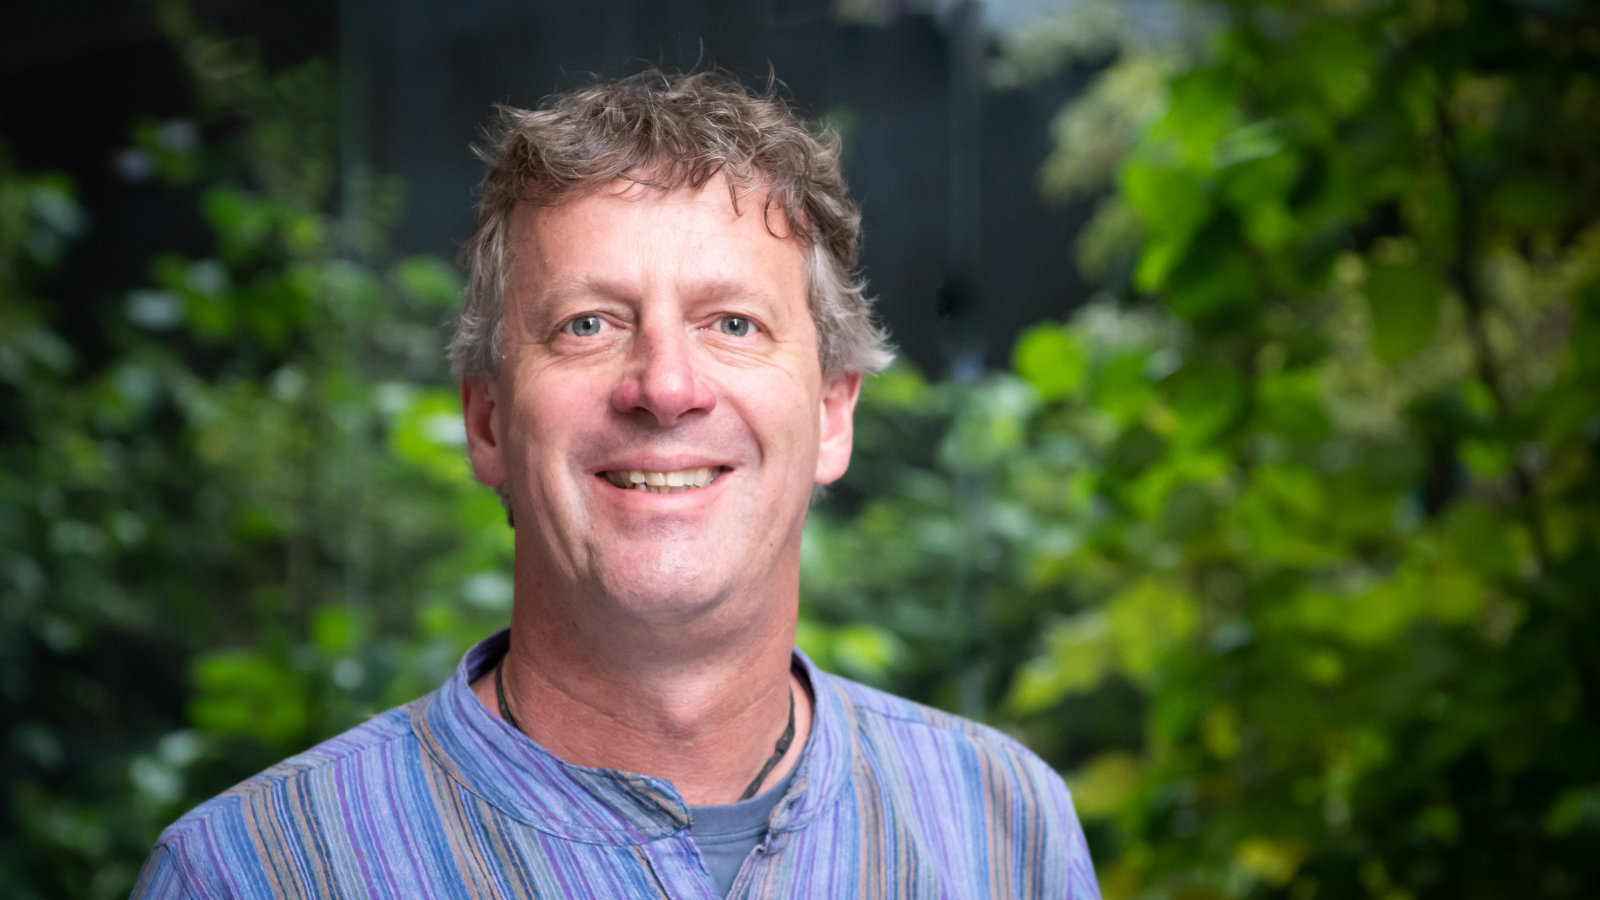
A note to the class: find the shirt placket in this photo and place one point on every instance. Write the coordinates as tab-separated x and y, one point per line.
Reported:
756	864
678	871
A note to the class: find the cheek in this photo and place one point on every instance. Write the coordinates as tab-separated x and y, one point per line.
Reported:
551	412
784	419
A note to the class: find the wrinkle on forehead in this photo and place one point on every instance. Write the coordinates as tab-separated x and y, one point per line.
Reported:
743	193
529	228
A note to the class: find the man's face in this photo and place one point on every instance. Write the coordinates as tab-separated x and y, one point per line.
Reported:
654	338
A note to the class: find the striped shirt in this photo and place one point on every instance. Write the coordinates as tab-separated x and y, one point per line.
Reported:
439	798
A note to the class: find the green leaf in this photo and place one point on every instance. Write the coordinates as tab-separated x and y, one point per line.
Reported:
1213	283
1205	398
1052	358
1080	653
429	280
1533	200
1147	621
1106	785
899	387
1338	61
429	434
246	692
1403	299
1136	450
1121	386
244	222
1189	512
1257	140
1480	538
1575	808
1172	204
1201	110
335	629
1274	861
1258	190
865	651
1289	404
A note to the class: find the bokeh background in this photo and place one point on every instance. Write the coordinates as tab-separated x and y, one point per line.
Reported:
1243	458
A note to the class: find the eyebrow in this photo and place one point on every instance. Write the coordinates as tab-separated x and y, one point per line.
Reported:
585	285
592	286
723	289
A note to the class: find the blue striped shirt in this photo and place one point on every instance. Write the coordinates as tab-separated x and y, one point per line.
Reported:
439	798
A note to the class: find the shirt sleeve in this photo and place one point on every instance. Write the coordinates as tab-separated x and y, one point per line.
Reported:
1076	873
162	878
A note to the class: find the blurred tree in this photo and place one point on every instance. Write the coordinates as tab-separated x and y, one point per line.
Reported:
1288	544
238	520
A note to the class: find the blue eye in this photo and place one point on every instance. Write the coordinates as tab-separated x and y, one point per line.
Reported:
734	325
584	326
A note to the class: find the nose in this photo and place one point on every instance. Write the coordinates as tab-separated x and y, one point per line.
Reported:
662	380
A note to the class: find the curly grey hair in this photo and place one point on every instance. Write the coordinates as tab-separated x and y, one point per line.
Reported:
668	131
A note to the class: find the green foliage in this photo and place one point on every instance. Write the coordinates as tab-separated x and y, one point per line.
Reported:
234	524
1286	548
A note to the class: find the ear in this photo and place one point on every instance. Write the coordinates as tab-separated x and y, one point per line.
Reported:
479	407
839	395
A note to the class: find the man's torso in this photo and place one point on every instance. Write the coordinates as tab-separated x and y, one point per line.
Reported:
891	800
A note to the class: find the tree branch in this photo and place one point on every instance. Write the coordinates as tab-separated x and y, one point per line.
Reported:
1474	305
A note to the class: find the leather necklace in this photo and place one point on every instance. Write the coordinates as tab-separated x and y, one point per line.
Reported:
782	747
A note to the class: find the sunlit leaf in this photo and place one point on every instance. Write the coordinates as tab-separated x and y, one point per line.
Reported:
1147	620
246	692
1079	653
1105	785
1052	358
1274	861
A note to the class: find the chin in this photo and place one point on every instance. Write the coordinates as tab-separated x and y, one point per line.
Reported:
666	593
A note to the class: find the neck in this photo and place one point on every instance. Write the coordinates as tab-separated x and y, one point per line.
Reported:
700	703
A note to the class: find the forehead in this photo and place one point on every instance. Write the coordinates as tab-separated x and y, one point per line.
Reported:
628	230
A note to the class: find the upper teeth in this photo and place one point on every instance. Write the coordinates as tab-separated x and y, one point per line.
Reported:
663	482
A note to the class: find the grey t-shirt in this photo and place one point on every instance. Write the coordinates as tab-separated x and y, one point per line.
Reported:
727	833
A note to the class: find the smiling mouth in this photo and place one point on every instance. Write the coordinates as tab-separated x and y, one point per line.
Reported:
663	482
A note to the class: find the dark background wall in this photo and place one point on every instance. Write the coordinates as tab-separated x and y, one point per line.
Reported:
76	75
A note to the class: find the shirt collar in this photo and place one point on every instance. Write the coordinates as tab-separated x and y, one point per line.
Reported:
511	772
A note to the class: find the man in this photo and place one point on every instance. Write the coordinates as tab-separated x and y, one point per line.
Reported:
661	350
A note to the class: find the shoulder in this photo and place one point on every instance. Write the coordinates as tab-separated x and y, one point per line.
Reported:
925	740
872	702
215	849
988	803
382	734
